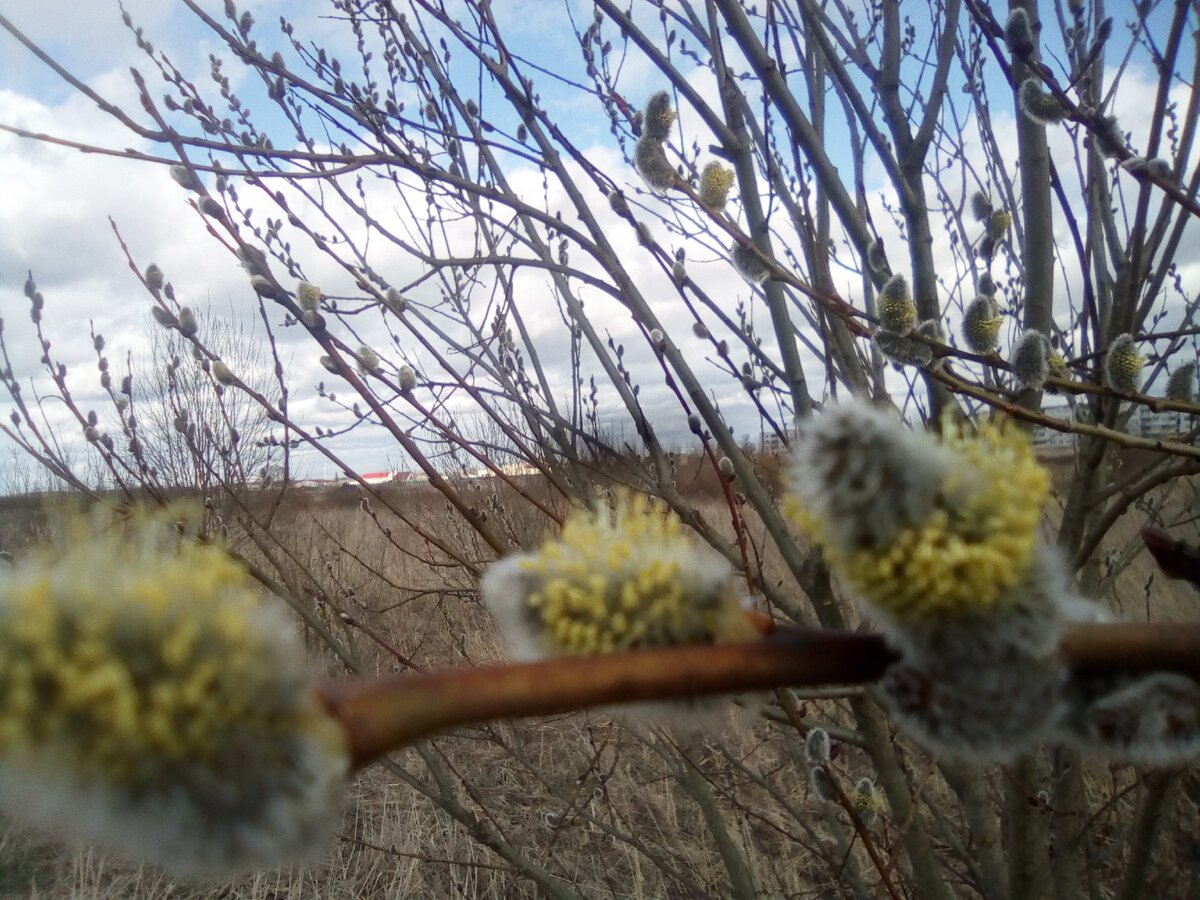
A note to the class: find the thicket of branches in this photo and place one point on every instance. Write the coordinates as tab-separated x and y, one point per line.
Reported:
557	291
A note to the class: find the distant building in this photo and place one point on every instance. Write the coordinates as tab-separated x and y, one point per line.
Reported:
1148	423
382	477
771	442
1143	421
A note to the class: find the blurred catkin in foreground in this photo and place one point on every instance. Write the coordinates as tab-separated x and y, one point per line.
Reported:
152	705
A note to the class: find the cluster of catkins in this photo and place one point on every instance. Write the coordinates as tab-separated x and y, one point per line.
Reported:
981	319
650	154
899	336
716	180
996	223
939	541
1045	108
1033	358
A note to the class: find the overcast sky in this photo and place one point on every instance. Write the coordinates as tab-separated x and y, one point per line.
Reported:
56	205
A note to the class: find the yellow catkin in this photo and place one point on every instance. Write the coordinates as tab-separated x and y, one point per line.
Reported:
974	546
625	577
716	181
139	670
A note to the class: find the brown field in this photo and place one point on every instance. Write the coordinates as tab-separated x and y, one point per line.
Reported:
610	809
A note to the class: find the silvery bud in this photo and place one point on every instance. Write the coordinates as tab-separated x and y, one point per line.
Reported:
185	178
223	374
725	467
395	301
312	321
981	206
1182	383
822	784
154	277
163	317
817	746
1018	33
368	360
187	322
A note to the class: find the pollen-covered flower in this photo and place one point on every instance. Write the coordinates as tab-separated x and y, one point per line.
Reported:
1030	360
868	802
1182	383
715	183
308	296
1123	364
897	313
650	159
998	224
981	324
659	116
1037	105
162	711
921	528
987	683
616	578
1056	365
939	539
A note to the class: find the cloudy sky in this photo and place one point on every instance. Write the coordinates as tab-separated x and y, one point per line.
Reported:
57	205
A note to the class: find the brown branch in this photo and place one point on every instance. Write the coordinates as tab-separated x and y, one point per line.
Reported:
383	714
387	713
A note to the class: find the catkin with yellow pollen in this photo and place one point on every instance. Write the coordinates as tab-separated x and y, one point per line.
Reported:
658	116
617	578
161	711
969	549
981	324
1123	364
939	540
716	181
897	312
